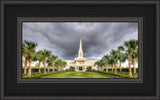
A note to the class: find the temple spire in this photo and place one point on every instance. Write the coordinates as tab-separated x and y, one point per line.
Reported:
80	52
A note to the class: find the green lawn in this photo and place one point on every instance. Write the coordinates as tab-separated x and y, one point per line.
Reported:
79	75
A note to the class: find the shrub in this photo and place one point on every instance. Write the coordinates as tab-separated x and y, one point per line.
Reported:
94	70
41	75
117	74
67	70
124	69
71	68
89	69
37	69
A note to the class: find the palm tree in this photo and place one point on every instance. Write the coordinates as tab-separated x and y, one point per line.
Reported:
98	64
52	60
106	59
102	64
45	54
31	46
111	61
121	56
58	64
130	45
49	63
114	54
25	55
38	57
134	54
64	63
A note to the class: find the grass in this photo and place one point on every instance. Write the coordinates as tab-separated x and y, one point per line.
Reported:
78	75
62	74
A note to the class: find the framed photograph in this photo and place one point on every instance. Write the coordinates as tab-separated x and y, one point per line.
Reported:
70	62
79	50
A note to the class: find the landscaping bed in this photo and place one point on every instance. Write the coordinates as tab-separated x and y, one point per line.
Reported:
117	74
41	75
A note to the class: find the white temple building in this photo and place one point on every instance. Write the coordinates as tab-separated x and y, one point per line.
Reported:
80	63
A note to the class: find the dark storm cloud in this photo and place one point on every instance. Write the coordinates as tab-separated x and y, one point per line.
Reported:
62	38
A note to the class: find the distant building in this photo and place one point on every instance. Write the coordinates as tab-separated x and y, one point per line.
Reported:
80	63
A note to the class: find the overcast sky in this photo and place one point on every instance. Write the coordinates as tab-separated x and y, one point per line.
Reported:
62	38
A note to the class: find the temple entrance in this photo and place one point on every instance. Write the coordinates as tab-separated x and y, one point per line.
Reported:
80	68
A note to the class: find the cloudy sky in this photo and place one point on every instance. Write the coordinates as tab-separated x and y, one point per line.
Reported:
62	38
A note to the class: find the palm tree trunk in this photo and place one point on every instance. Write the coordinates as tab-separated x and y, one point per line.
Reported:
134	67
44	62
53	66
112	67
120	67
129	61
106	67
115	67
98	68
39	66
25	66
29	70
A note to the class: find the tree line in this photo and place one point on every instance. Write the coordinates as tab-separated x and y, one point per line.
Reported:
42	56
129	51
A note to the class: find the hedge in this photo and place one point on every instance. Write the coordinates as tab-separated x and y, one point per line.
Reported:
89	69
41	75
117	74
37	70
123	69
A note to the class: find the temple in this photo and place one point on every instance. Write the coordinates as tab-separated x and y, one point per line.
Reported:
80	63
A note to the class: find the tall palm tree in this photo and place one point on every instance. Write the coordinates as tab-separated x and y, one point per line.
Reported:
49	63
134	54
38	57
111	61
114	54
25	55
45	54
106	59
31	46
64	63
52	60
130	46
121	56
58	64
102	64
98	64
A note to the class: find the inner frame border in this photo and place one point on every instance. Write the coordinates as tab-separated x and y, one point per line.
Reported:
20	20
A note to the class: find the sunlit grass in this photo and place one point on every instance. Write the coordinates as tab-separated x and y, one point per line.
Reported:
78	75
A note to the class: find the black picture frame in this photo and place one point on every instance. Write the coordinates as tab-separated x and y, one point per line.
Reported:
146	9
